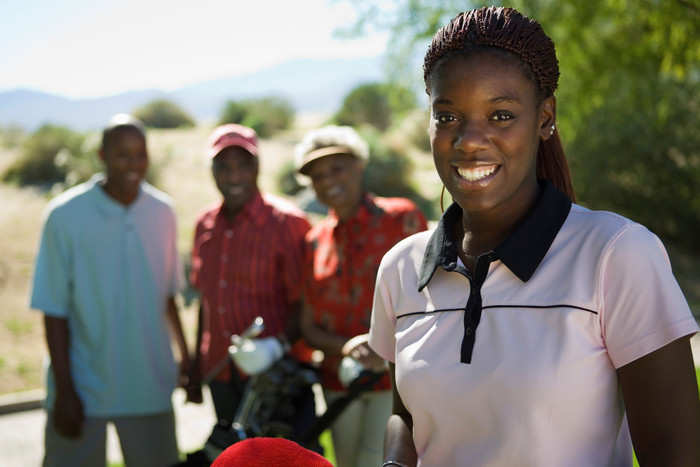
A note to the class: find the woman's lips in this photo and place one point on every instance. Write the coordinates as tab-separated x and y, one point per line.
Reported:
474	174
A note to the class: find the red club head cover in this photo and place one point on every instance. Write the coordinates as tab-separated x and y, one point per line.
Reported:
266	452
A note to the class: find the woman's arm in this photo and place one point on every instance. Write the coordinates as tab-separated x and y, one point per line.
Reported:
398	439
663	408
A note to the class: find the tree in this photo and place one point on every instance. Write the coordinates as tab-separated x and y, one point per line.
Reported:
376	104
630	75
265	115
162	113
233	112
628	100
44	156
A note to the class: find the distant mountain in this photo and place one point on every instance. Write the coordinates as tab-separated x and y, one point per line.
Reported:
310	85
30	109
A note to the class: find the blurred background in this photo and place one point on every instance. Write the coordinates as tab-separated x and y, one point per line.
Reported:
628	110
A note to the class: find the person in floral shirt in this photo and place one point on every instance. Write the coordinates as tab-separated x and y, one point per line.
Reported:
342	257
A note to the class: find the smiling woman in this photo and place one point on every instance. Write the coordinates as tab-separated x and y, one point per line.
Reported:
485	133
518	283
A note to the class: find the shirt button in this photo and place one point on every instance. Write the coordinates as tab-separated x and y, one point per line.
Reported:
474	291
229	234
221	309
224	258
223	283
468	331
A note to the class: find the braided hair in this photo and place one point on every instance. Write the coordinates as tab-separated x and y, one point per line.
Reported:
507	33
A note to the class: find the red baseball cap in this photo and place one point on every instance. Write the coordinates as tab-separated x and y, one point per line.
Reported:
232	134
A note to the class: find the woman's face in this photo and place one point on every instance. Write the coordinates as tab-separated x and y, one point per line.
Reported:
337	181
485	127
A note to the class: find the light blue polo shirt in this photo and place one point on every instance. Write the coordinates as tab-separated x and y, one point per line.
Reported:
109	269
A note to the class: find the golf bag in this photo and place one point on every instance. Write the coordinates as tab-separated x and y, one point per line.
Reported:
279	402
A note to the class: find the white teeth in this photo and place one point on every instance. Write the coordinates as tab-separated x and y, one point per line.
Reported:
473	175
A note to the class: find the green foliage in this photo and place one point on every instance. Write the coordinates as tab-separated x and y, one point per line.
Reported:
162	113
287	181
375	104
233	112
11	136
57	158
47	157
414	127
389	172
628	100
630	75
265	115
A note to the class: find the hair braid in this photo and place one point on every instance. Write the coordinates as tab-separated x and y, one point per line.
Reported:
507	29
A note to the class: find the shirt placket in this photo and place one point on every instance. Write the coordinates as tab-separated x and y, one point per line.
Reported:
223	284
472	310
345	273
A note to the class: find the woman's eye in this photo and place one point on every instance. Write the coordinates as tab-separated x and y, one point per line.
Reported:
444	118
502	116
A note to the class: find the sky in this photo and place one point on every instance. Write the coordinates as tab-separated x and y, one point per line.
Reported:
96	48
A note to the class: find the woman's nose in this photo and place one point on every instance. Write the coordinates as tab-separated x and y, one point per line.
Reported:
471	137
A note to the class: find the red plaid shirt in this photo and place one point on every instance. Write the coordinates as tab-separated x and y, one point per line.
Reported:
341	267
246	269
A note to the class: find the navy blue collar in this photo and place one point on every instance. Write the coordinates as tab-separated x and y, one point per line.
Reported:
522	252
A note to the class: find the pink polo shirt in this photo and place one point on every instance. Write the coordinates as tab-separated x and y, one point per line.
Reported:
517	365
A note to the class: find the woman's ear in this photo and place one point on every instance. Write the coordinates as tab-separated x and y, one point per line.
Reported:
548	117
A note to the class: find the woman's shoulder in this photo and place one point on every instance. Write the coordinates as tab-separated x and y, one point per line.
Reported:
600	220
411	248
608	229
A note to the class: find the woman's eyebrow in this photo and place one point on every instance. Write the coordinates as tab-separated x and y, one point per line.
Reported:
493	100
505	98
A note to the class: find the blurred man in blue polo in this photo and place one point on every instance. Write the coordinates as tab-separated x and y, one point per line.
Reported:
105	277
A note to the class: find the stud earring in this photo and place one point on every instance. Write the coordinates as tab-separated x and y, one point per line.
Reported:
551	130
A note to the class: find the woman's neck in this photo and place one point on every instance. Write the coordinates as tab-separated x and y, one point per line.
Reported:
477	233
